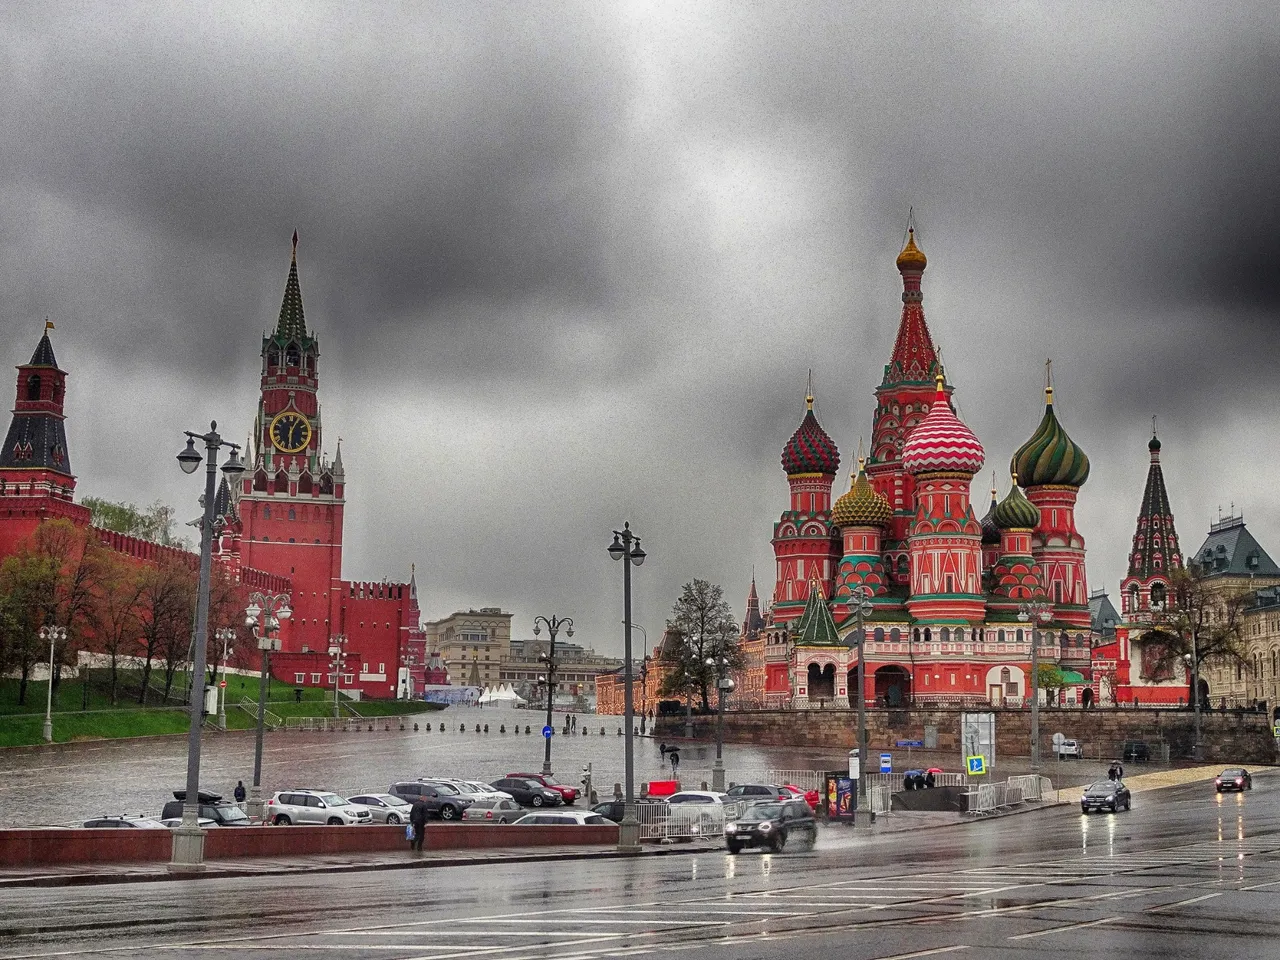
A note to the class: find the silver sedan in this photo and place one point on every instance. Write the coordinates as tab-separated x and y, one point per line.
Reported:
384	807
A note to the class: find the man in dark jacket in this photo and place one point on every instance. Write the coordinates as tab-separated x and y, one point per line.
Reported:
418	818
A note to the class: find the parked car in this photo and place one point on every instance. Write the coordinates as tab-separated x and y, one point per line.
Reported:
124	821
758	791
1110	795
1233	778
615	809
212	807
174	822
500	810
567	793
811	797
314	806
444	800
1135	751
696	813
478	789
772	825
528	793
1068	748
384	807
572	818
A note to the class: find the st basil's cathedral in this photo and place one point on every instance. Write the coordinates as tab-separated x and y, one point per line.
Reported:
947	591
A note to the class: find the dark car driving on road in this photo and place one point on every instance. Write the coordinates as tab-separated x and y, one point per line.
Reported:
1233	778
772	825
1110	795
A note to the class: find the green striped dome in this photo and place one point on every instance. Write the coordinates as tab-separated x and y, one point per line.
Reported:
1050	457
1016	512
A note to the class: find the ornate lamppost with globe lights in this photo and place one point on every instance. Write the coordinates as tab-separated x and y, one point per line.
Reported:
626	547
54	635
265	613
724	686
860	603
553	625
1035	612
188	839
226	635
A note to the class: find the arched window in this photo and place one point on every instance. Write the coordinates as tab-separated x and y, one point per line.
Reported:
33	387
959	634
266	512
1019	636
293	514
928	635
282	482
945	634
916	633
1005	675
879	635
1000	635
292	356
895	635
57	390
273	358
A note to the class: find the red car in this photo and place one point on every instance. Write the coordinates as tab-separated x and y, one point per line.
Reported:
569	794
810	796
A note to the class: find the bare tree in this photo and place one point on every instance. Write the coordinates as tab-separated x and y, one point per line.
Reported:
166	611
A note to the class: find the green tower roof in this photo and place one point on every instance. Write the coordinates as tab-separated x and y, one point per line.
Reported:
817	628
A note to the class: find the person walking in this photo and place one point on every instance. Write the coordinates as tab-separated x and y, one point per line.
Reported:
674	756
418	820
239	791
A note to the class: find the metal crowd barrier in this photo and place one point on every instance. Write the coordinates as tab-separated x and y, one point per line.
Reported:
988	798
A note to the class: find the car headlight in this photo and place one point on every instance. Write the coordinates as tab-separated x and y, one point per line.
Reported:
730	828
1084	798
1111	798
766	826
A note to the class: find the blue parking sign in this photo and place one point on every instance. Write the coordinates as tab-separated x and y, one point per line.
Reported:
977	765
886	763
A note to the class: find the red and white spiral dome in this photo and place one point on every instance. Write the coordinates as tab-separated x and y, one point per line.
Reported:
942	443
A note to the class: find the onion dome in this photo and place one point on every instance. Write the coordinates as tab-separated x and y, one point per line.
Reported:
1050	457
810	450
990	532
1154	444
1016	512
862	506
912	257
941	443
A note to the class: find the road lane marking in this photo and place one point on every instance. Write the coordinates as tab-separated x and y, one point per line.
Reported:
1070	926
925	953
1183	903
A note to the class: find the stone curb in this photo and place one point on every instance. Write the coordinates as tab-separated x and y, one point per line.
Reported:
162	874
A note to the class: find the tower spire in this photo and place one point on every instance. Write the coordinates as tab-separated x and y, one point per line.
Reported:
292	324
914	358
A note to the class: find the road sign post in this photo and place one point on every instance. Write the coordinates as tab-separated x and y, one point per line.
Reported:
977	765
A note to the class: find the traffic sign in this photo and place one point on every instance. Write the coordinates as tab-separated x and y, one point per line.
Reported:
909	743
547	731
223	684
977	765
886	763
1276	730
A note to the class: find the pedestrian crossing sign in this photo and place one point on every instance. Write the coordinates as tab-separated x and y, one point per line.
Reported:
977	765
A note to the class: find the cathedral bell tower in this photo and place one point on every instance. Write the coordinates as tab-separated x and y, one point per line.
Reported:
291	502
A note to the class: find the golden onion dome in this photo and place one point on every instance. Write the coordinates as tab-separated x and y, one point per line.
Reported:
862	506
912	257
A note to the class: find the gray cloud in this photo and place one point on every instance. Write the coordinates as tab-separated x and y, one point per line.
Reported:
570	265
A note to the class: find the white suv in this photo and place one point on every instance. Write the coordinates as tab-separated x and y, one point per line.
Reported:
314	806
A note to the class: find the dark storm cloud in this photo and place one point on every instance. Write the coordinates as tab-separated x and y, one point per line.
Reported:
572	263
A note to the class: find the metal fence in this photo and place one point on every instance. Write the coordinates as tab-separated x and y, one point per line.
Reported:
685	822
880	798
989	798
894	780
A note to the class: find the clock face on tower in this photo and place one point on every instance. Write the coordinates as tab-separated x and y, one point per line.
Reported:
290	432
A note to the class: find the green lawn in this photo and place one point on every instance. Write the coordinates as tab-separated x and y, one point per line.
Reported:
24	723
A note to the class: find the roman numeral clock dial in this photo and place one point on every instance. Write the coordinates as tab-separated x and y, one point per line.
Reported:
290	432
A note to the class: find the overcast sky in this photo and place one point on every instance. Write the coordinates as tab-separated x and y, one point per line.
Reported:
569	263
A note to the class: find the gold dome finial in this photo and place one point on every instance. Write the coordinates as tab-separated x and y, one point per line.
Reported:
1048	382
912	257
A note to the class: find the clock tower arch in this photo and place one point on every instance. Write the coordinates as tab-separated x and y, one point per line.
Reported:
291	502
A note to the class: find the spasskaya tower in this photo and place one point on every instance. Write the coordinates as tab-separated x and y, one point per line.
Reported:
291	505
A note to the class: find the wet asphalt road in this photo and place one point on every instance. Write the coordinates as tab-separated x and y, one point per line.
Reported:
1184	874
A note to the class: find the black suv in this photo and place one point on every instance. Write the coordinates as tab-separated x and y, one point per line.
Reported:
529	793
772	825
443	801
222	812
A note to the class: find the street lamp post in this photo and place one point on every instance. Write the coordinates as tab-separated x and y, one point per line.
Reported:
53	635
337	650
553	625
226	635
627	545
1035	612
644	692
263	616
724	686
860	604
1193	665
188	839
